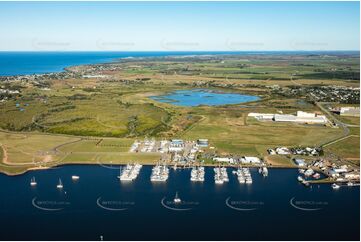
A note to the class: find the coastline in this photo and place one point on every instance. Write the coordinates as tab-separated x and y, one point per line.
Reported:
104	164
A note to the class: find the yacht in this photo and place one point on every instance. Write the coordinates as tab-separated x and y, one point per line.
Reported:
309	172
33	182
264	171
129	172
177	199
300	179
349	184
60	184
160	173
335	186
220	175
197	174
75	178
316	175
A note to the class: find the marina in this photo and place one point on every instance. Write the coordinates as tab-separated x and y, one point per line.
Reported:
129	172
220	175
244	175
160	173
181	190
143	199
197	174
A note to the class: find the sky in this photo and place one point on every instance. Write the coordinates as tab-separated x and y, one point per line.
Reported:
179	26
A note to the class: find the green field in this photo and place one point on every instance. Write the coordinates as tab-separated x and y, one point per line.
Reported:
89	120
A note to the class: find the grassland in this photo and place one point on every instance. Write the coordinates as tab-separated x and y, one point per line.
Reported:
95	120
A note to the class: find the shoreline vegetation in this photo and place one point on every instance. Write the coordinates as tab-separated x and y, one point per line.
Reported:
110	102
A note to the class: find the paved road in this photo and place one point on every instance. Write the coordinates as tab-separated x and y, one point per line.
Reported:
346	130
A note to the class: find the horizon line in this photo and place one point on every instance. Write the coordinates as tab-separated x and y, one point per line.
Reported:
176	50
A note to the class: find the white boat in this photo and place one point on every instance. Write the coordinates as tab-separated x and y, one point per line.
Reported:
197	174
33	182
316	175
309	172
249	181
335	186
177	199
129	172
160	173
60	184
350	184
300	179
301	171
264	171
74	178
241	179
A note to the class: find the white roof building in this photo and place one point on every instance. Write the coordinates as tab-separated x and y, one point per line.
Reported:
223	159
350	111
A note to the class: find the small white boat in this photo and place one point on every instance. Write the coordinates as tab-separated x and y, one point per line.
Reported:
316	175
177	199
60	184
350	184
300	178
335	186
33	182
75	178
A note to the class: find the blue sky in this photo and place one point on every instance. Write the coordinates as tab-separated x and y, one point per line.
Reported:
179	26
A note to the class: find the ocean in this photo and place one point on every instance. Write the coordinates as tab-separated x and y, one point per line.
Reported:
100	207
32	62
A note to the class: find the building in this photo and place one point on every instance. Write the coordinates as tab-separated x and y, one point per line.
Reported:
262	116
300	117
202	142
250	159
350	111
223	159
176	145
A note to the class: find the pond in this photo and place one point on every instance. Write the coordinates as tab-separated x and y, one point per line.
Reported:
196	97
